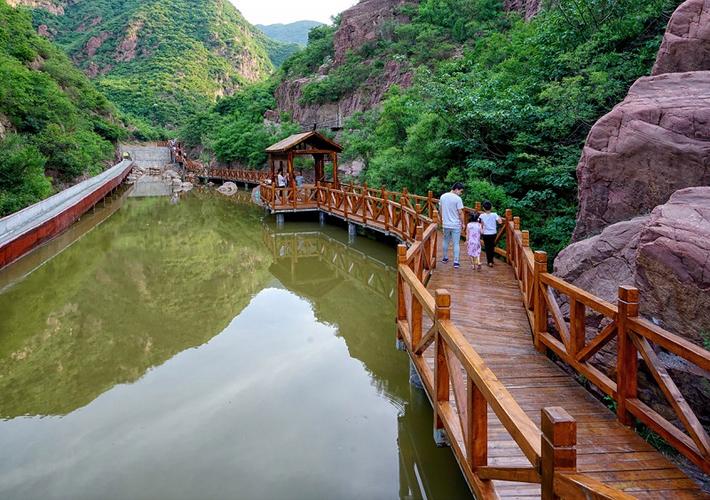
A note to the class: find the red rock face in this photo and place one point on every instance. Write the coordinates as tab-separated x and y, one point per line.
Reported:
94	43
527	8
673	263
126	50
686	44
359	25
652	144
362	24
666	255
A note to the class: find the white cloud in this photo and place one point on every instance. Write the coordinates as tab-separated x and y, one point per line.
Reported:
288	11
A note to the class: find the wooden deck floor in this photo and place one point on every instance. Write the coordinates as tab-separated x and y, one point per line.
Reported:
487	307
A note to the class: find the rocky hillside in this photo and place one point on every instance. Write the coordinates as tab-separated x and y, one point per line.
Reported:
159	60
55	126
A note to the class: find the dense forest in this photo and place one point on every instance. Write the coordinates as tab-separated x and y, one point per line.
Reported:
161	60
498	102
53	121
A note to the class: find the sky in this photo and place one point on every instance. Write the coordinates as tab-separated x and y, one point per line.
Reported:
288	11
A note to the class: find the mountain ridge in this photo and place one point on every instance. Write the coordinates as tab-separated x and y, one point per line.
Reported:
295	32
181	56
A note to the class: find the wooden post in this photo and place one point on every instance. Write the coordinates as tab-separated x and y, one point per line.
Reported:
516	223
540	306
435	240
334	157
441	367
559	452
476	435
401	304
627	358
363	202
430	203
419	262
526	239
385	208
577	333
509	237
477	206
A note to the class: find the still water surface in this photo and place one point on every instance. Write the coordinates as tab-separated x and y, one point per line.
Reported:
195	351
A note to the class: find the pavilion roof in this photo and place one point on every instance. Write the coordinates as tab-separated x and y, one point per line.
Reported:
298	139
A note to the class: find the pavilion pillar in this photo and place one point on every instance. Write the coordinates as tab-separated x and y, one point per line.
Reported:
334	158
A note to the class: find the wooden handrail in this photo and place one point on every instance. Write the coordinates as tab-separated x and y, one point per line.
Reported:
413	219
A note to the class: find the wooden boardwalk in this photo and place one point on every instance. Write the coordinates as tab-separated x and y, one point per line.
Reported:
518	425
487	307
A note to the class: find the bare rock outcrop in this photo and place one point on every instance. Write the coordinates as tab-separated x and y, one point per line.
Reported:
528	8
666	255
53	6
652	144
686	44
333	114
673	264
362	23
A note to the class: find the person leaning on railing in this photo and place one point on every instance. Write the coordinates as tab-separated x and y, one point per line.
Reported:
452	218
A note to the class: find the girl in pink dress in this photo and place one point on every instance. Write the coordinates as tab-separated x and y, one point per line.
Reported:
473	240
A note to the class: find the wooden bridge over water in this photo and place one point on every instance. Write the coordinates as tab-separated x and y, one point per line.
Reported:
518	424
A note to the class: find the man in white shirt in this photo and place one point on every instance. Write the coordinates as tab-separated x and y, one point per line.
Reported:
452	218
490	222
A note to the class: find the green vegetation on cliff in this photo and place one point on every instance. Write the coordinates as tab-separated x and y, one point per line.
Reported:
52	119
509	113
234	131
500	103
162	60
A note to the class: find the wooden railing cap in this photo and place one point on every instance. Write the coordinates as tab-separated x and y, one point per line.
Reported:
558	426
442	297
628	293
540	256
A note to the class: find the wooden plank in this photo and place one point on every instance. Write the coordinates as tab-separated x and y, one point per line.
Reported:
673	343
514	474
521	428
580	486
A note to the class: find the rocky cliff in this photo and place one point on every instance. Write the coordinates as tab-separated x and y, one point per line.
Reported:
644	203
657	140
359	25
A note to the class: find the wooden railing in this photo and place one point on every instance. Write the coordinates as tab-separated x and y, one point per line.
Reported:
237	174
570	338
550	452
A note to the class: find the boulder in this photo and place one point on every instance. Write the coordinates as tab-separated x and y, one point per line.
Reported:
654	143
673	264
686	44
602	263
666	255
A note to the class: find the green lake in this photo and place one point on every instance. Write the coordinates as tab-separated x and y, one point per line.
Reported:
198	351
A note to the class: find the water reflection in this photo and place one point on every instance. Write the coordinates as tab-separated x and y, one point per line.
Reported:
293	389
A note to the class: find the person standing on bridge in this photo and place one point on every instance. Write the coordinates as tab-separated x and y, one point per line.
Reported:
473	240
490	221
452	218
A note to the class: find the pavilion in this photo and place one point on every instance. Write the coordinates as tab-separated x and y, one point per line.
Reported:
322	149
